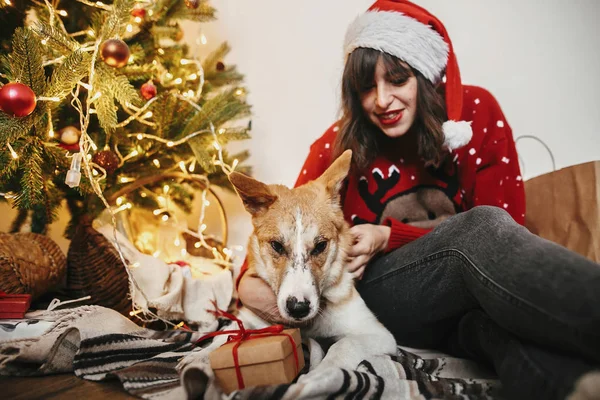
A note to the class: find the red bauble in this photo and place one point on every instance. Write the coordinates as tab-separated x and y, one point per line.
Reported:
17	99
115	53
138	12
220	66
193	4
107	160
148	90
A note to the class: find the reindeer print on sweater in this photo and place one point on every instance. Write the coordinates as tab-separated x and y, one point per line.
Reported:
396	193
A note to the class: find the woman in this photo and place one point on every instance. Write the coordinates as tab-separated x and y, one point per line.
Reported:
436	200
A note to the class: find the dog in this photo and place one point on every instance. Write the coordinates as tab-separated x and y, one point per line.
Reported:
298	247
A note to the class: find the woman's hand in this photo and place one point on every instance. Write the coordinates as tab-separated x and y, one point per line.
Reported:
256	295
369	240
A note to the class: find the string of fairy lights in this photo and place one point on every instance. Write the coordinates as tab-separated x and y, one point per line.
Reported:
96	173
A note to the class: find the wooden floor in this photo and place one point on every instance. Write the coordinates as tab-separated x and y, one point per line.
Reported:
66	386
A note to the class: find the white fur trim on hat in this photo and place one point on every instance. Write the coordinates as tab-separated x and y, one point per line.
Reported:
401	36
456	134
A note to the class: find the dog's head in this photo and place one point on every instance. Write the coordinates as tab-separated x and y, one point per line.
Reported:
299	239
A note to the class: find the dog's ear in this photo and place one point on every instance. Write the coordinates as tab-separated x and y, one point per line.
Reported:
334	176
255	195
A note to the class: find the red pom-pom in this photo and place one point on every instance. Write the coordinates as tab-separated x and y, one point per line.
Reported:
17	99
220	66
148	90
115	53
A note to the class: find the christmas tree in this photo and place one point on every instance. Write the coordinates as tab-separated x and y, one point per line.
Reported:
98	95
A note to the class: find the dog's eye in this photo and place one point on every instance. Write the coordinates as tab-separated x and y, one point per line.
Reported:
278	247
319	248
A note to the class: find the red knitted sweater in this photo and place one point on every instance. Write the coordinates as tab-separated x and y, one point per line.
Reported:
399	191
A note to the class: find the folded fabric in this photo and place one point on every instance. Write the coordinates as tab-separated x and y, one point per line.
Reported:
175	292
100	344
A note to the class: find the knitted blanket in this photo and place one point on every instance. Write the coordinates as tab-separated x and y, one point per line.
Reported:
99	344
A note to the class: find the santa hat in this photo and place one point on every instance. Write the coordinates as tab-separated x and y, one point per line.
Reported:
410	33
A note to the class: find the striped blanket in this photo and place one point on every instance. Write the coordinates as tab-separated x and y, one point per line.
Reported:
99	344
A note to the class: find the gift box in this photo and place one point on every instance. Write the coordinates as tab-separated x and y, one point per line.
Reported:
14	305
262	359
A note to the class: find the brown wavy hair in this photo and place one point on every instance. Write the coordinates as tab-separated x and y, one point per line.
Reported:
366	140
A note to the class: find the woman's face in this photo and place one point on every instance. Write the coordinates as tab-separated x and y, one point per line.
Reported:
391	104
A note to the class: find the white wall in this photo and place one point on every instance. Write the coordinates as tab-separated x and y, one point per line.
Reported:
540	60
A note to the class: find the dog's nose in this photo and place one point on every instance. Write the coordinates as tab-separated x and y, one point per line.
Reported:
297	309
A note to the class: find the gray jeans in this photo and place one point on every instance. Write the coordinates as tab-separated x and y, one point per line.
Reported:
541	301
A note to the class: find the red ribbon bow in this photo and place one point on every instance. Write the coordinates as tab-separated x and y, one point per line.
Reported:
242	335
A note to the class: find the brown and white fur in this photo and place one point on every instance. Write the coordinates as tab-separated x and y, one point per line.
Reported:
298	247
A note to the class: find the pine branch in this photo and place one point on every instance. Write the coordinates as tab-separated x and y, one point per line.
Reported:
124	92
5	67
210	62
202	153
54	155
223	107
117	86
107	112
14	128
97	21
26	60
170	114
228	77
165	32
204	13
113	87
117	19
55	38
233	134
19	221
137	51
220	78
8	168
32	178
138	72
67	74
242	156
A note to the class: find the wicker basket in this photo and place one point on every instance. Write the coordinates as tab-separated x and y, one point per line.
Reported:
95	269
30	263
94	265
